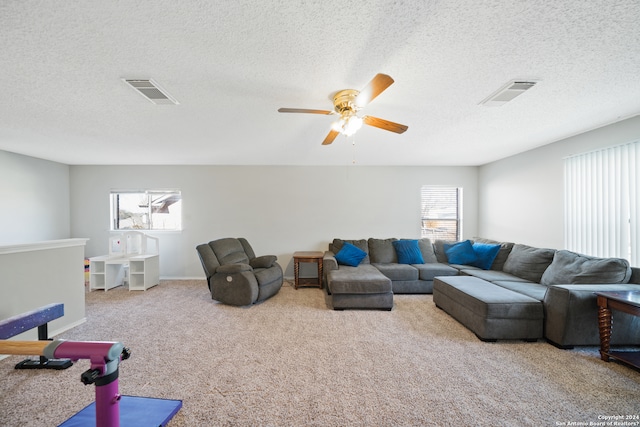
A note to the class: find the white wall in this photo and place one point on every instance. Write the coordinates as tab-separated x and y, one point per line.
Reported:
38	274
521	197
282	209
279	209
34	195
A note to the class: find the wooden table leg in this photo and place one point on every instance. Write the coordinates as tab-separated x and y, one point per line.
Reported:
604	324
320	273
296	271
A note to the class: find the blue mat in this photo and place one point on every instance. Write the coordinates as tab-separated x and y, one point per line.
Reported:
134	411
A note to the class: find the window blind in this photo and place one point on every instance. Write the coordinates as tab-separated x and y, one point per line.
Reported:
441	212
601	202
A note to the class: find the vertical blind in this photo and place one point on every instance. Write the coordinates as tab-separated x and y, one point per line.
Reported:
601	202
441	212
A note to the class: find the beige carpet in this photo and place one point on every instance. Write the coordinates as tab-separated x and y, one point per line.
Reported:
290	361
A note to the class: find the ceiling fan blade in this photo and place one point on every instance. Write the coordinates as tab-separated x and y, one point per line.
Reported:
303	110
384	124
375	87
329	139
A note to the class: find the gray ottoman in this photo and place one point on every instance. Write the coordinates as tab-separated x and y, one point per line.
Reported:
359	287
489	311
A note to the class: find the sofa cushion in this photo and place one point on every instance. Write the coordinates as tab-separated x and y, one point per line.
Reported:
438	247
490	311
486	253
350	255
503	253
530	289
229	251
408	252
487	299
460	252
382	251
491	275
265	276
570	267
464	267
235	258
363	279
397	271
528	262
430	270
360	244
426	247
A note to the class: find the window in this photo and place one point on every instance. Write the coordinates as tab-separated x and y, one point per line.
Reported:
146	210
441	212
602	209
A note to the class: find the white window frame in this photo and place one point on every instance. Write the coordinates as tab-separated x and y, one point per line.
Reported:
441	212
146	221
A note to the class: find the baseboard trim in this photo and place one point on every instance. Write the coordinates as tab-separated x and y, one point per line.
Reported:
65	328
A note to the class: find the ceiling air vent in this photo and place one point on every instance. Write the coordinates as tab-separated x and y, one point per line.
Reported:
151	91
507	92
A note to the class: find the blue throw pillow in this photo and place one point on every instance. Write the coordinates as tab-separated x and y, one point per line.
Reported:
350	255
460	252
486	254
408	252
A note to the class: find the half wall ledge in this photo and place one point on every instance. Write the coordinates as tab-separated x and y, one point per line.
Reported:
41	273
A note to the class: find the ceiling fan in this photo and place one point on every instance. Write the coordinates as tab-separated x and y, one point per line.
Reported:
348	103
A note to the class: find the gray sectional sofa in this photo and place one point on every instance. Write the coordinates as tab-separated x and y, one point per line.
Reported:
525	293
372	283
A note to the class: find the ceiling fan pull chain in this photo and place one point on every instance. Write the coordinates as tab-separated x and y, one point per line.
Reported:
353	149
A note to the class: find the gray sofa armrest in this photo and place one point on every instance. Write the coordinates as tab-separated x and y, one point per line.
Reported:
571	316
233	268
264	261
329	263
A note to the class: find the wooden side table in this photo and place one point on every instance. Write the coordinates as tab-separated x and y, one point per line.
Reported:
307	256
627	302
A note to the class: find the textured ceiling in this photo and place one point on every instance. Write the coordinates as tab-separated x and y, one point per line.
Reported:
231	65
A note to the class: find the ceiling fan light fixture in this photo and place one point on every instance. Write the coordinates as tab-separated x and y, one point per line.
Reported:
348	125
337	125
347	104
353	125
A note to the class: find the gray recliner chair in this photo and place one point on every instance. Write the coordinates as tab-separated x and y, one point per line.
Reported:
235	275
